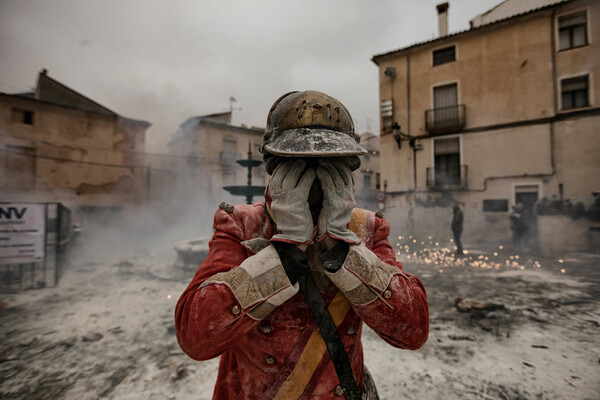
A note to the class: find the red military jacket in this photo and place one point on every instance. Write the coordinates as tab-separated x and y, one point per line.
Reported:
241	306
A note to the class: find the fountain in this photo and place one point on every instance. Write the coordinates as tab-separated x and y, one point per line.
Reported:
248	190
191	253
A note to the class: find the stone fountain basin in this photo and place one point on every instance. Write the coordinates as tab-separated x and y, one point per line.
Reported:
191	253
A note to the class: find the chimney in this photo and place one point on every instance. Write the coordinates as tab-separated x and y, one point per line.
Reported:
443	19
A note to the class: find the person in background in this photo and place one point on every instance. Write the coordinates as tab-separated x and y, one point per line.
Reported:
519	226
457	228
289	282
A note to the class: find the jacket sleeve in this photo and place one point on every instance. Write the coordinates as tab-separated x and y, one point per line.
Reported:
390	301
230	291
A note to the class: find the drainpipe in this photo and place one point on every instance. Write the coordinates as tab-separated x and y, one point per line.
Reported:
411	141
148	187
411	210
554	89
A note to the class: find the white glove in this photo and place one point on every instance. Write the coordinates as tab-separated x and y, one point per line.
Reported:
337	183
289	188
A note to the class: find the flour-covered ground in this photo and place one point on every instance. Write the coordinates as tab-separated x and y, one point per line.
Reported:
106	331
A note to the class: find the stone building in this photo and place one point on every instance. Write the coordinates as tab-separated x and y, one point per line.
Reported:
57	145
205	150
505	112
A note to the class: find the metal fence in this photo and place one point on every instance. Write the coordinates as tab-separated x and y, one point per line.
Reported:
49	270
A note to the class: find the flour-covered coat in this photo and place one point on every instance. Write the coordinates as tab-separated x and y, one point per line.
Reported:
241	306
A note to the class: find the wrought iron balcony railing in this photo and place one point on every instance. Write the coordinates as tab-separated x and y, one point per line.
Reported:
447	178
446	119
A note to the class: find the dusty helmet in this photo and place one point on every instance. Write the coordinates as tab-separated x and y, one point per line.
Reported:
310	124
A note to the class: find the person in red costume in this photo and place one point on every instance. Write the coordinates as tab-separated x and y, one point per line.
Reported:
288	283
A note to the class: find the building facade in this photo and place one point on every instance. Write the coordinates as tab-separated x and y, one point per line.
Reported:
506	112
57	145
205	150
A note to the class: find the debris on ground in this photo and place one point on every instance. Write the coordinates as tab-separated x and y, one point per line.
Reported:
467	305
92	337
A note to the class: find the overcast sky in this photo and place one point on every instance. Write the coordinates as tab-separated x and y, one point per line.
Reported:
164	61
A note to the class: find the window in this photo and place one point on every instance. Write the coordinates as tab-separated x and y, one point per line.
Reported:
442	56
575	92
572	30
229	145
228	155
22	116
366	182
447	162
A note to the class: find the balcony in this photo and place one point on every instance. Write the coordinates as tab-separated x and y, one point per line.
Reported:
447	178
446	119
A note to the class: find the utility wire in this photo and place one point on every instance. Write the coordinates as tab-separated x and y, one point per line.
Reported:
102	149
71	160
95	163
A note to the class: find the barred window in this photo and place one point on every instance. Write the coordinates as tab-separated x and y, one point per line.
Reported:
442	56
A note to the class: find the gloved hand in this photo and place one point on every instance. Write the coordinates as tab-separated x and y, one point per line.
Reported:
338	200
289	188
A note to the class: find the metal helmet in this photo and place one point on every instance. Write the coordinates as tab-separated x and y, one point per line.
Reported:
310	124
